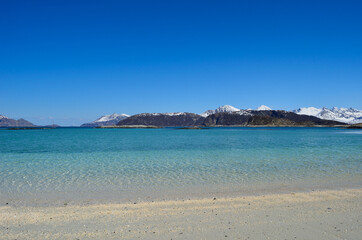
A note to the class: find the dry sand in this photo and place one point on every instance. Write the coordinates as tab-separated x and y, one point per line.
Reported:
312	215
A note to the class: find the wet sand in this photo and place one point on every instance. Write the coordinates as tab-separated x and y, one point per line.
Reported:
331	214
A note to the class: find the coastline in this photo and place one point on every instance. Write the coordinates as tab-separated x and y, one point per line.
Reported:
351	126
327	214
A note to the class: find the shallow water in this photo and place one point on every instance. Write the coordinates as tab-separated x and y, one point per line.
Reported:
83	165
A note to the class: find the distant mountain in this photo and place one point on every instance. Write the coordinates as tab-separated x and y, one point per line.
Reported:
8	122
106	120
225	108
52	126
263	108
164	119
346	115
264	117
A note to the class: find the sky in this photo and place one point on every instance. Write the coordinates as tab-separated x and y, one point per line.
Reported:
69	62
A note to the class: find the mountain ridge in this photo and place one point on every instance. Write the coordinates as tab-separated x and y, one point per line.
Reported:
338	115
235	118
265	118
163	119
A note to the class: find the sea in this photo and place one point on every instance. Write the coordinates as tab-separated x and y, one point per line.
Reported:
46	167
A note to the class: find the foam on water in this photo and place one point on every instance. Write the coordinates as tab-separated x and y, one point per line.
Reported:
100	165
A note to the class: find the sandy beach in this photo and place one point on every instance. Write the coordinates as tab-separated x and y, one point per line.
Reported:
331	214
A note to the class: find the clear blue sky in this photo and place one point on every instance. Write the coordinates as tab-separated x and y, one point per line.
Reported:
69	62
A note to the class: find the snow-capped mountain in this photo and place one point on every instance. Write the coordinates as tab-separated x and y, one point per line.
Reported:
346	115
3	117
225	108
106	120
263	108
114	116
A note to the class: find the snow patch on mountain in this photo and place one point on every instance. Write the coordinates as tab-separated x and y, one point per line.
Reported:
263	108
166	114
346	115
3	117
175	113
225	108
247	112
310	111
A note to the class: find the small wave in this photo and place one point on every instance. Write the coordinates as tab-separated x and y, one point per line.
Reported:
352	132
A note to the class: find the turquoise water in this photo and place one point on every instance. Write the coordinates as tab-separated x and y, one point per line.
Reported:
101	165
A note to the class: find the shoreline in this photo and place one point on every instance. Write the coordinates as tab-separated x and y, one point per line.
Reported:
89	196
329	214
347	126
